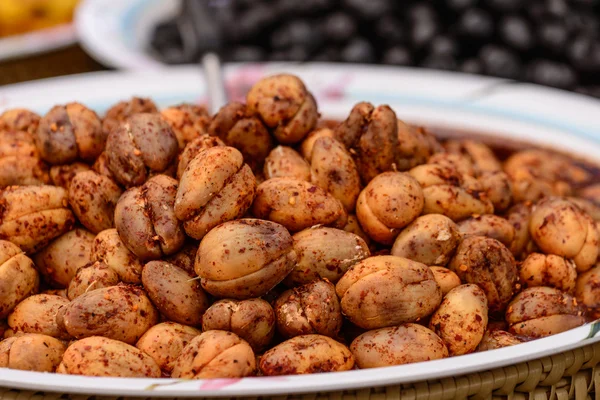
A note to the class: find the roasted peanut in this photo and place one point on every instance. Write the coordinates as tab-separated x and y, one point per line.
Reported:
18	277
19	119
20	162
415	146
285	162
498	189
480	156
307	144
188	121
586	288
519	216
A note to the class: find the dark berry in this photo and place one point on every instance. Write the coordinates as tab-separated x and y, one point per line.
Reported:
297	32
460	5
435	61
255	20
359	50
298	52
421	11
553	36
504	5
339	27
444	46
584	53
582	22
247	54
471	66
476	23
397	55
550	73
500	62
515	32
422	32
370	10
328	54
390	30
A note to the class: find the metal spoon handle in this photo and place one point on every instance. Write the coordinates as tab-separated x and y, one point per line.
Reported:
217	97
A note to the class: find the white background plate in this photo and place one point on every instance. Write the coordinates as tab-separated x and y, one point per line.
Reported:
525	112
42	41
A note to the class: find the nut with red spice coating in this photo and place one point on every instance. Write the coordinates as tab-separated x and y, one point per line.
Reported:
144	144
20	162
62	175
19	119
110	249
37	314
397	345
188	121
445	278
312	308
497	339
548	270
18	277
285	106
519	216
457	162
307	144
390	202
252	320
118	114
384	291
31	352
145	219
498	189
488	225
193	148
480	155
69	133
95	275
587	288
285	162
415	146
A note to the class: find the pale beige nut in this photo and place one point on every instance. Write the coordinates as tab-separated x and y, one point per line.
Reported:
93	198
185	257
110	249
481	156
285	162
404	344
461	320
488	225
175	293
488	263
284	105
497	339
20	162
144	144
37	314
333	169
118	114
102	356
252	320
215	354
460	163
353	226
450	193
445	278
145	219
297	204
69	133
32	216
165	343
31	352
101	166
519	216
118	312
195	147
387	290
371	135
325	253
61	259
587	206
188	121
498	189
415	146
95	275
19	119
430	239
18	277
216	187
560	227
587	288
307	144
306	354
543	311
62	175
312	308
245	258
237	127
389	202
548	270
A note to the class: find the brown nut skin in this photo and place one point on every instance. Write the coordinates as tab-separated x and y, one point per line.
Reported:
519	216
102	356
450	193
101	166
252	320
245	258
285	162
61	259
32	216
18	277
216	187
95	275
188	121
488	263
397	345
460	163
110	249
215	354
430	239
31	352
383	291
415	146
307	144
185	258
325	253
236	126
586	288
165	342
389	202
560	227
307	309
498	189
176	295
306	354
145	219
543	311
488	225
195	147
497	339
333	169
20	162
142	145
461	320
285	106
118	312
445	278
548	270
37	314
118	114
62	175
19	119
297	204
68	133
481	157
93	198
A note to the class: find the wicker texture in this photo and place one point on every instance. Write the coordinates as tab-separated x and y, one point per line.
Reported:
573	374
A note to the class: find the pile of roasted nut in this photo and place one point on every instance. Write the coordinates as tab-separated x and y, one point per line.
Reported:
263	241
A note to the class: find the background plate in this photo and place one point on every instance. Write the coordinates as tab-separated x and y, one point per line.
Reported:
36	42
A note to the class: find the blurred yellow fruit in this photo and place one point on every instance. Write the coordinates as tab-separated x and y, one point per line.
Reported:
19	16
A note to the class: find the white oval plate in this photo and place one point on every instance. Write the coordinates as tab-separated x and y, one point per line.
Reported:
37	42
525	112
